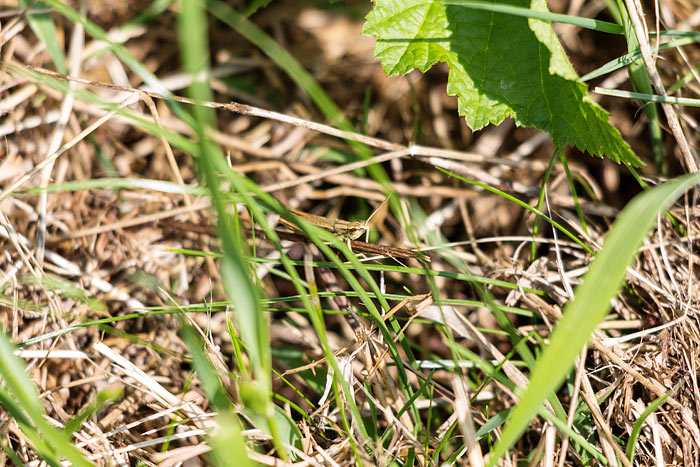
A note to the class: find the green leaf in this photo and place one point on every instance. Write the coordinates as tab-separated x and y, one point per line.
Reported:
501	66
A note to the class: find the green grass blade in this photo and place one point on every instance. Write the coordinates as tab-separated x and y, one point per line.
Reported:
620	62
690	76
574	194
24	396
119	50
522	204
502	318
228	438
649	97
303	79
117	184
43	26
591	303
321	238
192	29
176	139
658	402
586	23
282	58
540	203
639	77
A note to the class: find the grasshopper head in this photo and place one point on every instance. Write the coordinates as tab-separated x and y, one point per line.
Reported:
355	229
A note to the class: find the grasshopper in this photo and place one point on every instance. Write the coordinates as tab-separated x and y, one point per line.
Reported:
345	230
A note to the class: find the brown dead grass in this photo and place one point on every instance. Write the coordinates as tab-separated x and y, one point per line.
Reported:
111	243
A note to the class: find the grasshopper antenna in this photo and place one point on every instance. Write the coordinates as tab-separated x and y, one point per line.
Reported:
372	215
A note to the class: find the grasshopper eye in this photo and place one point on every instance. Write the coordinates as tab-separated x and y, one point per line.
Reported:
356	229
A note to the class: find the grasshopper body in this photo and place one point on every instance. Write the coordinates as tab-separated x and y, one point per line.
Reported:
346	230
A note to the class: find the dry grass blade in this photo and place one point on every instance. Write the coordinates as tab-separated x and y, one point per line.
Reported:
411	356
